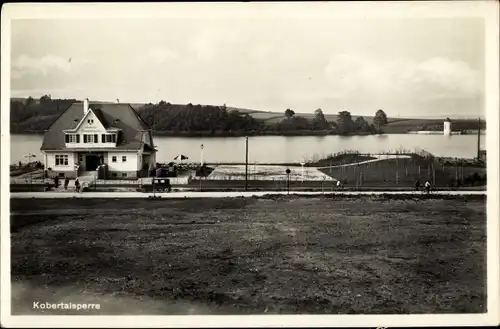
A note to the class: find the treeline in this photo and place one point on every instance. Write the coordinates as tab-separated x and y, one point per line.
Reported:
34	116
194	118
213	120
344	125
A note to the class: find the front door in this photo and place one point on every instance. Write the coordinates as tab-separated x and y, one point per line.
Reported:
91	162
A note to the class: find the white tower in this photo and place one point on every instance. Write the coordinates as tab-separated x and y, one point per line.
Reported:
447	127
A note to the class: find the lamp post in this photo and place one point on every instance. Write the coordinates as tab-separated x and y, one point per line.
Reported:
201	155
246	163
96	176
288	181
302	164
153	183
201	165
29	156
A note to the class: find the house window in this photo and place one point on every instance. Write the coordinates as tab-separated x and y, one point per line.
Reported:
80	158
113	158
124	158
72	138
108	138
90	138
90	121
124	174
115	174
61	160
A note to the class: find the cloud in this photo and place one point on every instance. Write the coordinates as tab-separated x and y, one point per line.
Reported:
45	65
214	41
54	92
159	55
433	78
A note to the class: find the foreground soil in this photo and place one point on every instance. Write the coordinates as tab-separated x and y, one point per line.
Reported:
328	255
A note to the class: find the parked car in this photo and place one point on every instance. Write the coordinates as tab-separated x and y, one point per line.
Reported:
158	184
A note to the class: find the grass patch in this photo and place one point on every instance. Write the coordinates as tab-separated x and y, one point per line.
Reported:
339	158
406	171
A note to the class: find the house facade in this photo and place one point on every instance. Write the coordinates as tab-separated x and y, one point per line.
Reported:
89	135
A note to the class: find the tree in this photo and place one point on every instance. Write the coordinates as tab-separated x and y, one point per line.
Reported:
294	123
345	124
361	125
289	113
380	119
319	121
29	102
45	99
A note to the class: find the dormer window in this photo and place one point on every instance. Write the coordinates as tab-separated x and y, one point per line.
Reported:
108	138
72	138
90	138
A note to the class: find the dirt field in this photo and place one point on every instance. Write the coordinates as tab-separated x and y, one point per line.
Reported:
332	255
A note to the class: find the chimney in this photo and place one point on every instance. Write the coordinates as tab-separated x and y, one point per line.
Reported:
85	105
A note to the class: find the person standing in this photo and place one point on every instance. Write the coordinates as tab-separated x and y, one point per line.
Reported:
77	185
428	187
66	183
417	185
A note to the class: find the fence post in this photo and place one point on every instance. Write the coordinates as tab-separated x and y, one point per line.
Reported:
357	177
433	174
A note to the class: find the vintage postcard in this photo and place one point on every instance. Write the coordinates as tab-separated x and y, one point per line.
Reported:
297	164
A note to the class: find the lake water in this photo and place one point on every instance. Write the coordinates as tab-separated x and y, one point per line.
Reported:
279	149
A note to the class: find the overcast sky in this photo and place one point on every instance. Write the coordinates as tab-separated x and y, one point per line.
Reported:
408	67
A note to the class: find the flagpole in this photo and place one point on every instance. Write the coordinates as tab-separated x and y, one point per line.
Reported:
478	138
246	163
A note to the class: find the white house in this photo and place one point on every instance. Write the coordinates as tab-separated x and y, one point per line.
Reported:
87	135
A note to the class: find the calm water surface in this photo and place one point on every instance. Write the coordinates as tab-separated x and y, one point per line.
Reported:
279	149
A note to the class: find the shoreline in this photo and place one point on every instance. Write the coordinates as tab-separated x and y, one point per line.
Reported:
307	133
237	134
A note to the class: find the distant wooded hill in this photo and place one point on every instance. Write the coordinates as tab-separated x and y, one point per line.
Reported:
29	115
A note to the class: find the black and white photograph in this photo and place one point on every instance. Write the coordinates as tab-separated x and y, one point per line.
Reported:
250	164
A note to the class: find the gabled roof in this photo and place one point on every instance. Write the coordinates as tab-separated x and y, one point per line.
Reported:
113	115
96	112
447	120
